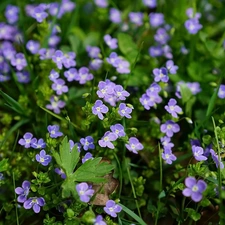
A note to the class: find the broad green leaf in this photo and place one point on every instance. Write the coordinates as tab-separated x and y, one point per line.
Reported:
193	214
13	104
185	93
3	165
67	158
68	188
128	47
92	171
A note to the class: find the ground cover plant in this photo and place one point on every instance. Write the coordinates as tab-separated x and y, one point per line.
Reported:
112	112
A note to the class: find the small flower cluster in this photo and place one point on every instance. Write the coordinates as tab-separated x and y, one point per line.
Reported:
192	24
33	202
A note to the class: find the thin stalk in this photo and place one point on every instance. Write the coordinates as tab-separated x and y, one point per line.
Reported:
133	190
160	183
14	185
120	174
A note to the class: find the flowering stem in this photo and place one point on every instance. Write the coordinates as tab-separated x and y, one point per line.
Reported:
17	219
133	190
219	159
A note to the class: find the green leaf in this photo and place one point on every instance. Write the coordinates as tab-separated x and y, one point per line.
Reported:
162	194
133	215
92	171
3	165
193	214
66	158
13	104
128	47
205	202
186	93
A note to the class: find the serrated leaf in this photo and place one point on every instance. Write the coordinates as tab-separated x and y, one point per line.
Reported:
92	171
3	165
68	188
66	158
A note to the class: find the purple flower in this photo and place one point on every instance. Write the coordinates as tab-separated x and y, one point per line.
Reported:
86	157
122	66
53	75
166	142
27	140
169	128
156	19
72	144
67	5
70	74
118	130
99	108
161	36
173	108
111	42
193	26
58	58
23	77
39	13
61	173
23	191
99	220
54	131
53	40
84	191
93	51
69	60
124	110
115	15
134	145
19	61
221	92
194	188
95	64
11	13
106	140
198	153
171	67
43	158
59	86
113	59
46	53
168	156
167	51
56	104
184	50
136	18
112	208
153	89
4	78
120	93
88	143
105	88
190	14
216	159
161	75
83	75
33	46
150	3
38	144
34	203
155	51
194	87
101	3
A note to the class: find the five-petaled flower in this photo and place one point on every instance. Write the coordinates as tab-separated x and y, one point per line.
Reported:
34	203
106	140
23	191
112	208
54	131
173	108
99	108
134	145
27	140
84	191
194	188
169	128
43	158
124	110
